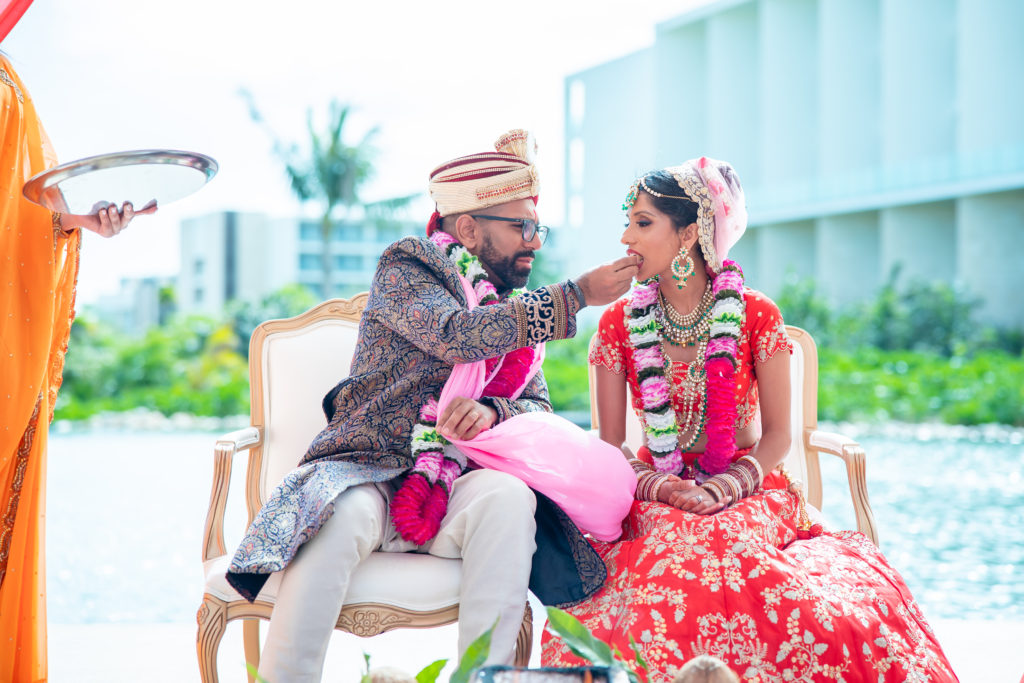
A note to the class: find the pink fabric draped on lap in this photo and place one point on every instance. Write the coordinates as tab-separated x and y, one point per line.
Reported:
586	477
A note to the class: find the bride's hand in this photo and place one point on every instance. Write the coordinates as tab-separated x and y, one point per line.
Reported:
689	497
106	220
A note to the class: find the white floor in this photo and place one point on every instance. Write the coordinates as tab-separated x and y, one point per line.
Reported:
981	652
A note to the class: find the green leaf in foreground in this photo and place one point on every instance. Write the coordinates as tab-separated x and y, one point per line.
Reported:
255	675
475	656
578	638
639	655
431	671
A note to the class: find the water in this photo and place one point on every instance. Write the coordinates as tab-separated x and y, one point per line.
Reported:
126	511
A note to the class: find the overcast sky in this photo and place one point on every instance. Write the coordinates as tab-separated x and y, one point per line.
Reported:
439	79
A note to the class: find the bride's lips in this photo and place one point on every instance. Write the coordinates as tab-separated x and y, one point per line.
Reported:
630	252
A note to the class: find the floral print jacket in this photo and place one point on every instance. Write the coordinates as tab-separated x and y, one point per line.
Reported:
415	328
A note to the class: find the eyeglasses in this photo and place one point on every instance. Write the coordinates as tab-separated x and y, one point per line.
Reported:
531	228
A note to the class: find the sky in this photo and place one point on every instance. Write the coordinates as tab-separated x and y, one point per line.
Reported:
438	79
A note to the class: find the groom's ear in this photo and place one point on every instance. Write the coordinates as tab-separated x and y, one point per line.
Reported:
468	232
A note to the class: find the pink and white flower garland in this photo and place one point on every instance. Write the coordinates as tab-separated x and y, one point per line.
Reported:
420	504
720	363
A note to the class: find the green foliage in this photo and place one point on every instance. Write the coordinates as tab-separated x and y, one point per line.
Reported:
802	305
430	672
873	385
919	316
474	657
286	302
582	643
947	369
189	365
254	672
565	369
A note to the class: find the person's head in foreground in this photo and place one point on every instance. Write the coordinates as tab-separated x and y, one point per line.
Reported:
706	669
488	202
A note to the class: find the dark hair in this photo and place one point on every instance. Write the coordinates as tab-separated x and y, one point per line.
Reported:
681	211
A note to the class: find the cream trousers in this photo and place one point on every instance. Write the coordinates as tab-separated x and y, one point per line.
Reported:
489	524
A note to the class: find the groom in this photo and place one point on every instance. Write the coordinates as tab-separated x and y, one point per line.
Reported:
335	508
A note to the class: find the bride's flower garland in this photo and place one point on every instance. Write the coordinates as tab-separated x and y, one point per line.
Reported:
643	320
420	504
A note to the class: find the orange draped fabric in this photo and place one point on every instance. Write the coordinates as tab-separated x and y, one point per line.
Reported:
38	271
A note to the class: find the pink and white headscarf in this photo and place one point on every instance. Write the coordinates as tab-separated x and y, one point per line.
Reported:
721	207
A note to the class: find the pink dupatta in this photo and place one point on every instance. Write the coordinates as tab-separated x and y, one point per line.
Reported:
587	478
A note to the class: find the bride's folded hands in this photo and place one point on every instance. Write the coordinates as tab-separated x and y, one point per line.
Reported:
684	494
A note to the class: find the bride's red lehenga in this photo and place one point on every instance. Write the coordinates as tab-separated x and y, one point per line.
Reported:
741	585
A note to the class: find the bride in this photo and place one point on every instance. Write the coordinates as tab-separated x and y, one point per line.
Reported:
718	554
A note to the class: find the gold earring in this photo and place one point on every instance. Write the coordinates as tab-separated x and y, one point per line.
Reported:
682	268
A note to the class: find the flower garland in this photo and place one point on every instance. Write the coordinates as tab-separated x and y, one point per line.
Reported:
718	412
421	502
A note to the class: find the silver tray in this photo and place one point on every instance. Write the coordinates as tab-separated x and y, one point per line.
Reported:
142	177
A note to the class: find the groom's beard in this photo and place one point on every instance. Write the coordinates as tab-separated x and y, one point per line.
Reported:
511	276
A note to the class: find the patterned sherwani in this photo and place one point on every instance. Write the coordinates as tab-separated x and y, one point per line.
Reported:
415	328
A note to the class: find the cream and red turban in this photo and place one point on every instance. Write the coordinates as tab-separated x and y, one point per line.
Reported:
486	179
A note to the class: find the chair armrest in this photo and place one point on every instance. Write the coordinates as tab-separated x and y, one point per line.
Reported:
855	458
224	451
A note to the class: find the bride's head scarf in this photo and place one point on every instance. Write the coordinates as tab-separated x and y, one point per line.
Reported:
715	189
721	207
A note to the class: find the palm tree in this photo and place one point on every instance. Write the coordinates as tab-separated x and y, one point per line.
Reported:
331	172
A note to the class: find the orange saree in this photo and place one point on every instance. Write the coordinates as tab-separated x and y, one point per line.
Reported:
38	271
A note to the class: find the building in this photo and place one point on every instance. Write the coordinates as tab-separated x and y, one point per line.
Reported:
140	303
231	256
867	133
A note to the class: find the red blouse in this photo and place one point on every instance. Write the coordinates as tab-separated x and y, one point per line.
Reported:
763	335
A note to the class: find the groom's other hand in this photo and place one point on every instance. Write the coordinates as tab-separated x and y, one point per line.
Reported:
606	283
464	418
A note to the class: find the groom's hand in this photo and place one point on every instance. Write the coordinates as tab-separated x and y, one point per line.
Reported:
606	283
464	418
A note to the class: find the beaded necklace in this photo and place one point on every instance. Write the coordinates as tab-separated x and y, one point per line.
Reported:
688	329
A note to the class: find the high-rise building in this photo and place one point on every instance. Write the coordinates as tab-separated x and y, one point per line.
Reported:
231	256
867	133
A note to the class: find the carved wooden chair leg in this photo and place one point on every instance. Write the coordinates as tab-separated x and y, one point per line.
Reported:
211	620
251	642
524	643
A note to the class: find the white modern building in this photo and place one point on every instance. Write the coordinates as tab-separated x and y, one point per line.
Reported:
867	133
231	256
139	304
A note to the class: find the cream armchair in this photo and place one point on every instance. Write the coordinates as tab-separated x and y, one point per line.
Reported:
293	363
808	440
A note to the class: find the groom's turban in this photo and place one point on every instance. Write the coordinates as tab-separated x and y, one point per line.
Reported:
486	179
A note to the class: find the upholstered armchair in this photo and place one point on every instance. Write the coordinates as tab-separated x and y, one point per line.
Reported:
808	441
293	363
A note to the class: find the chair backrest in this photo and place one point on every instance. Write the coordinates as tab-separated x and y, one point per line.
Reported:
293	363
803	373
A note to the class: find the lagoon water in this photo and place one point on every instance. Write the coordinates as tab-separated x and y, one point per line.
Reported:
126	511
125	516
